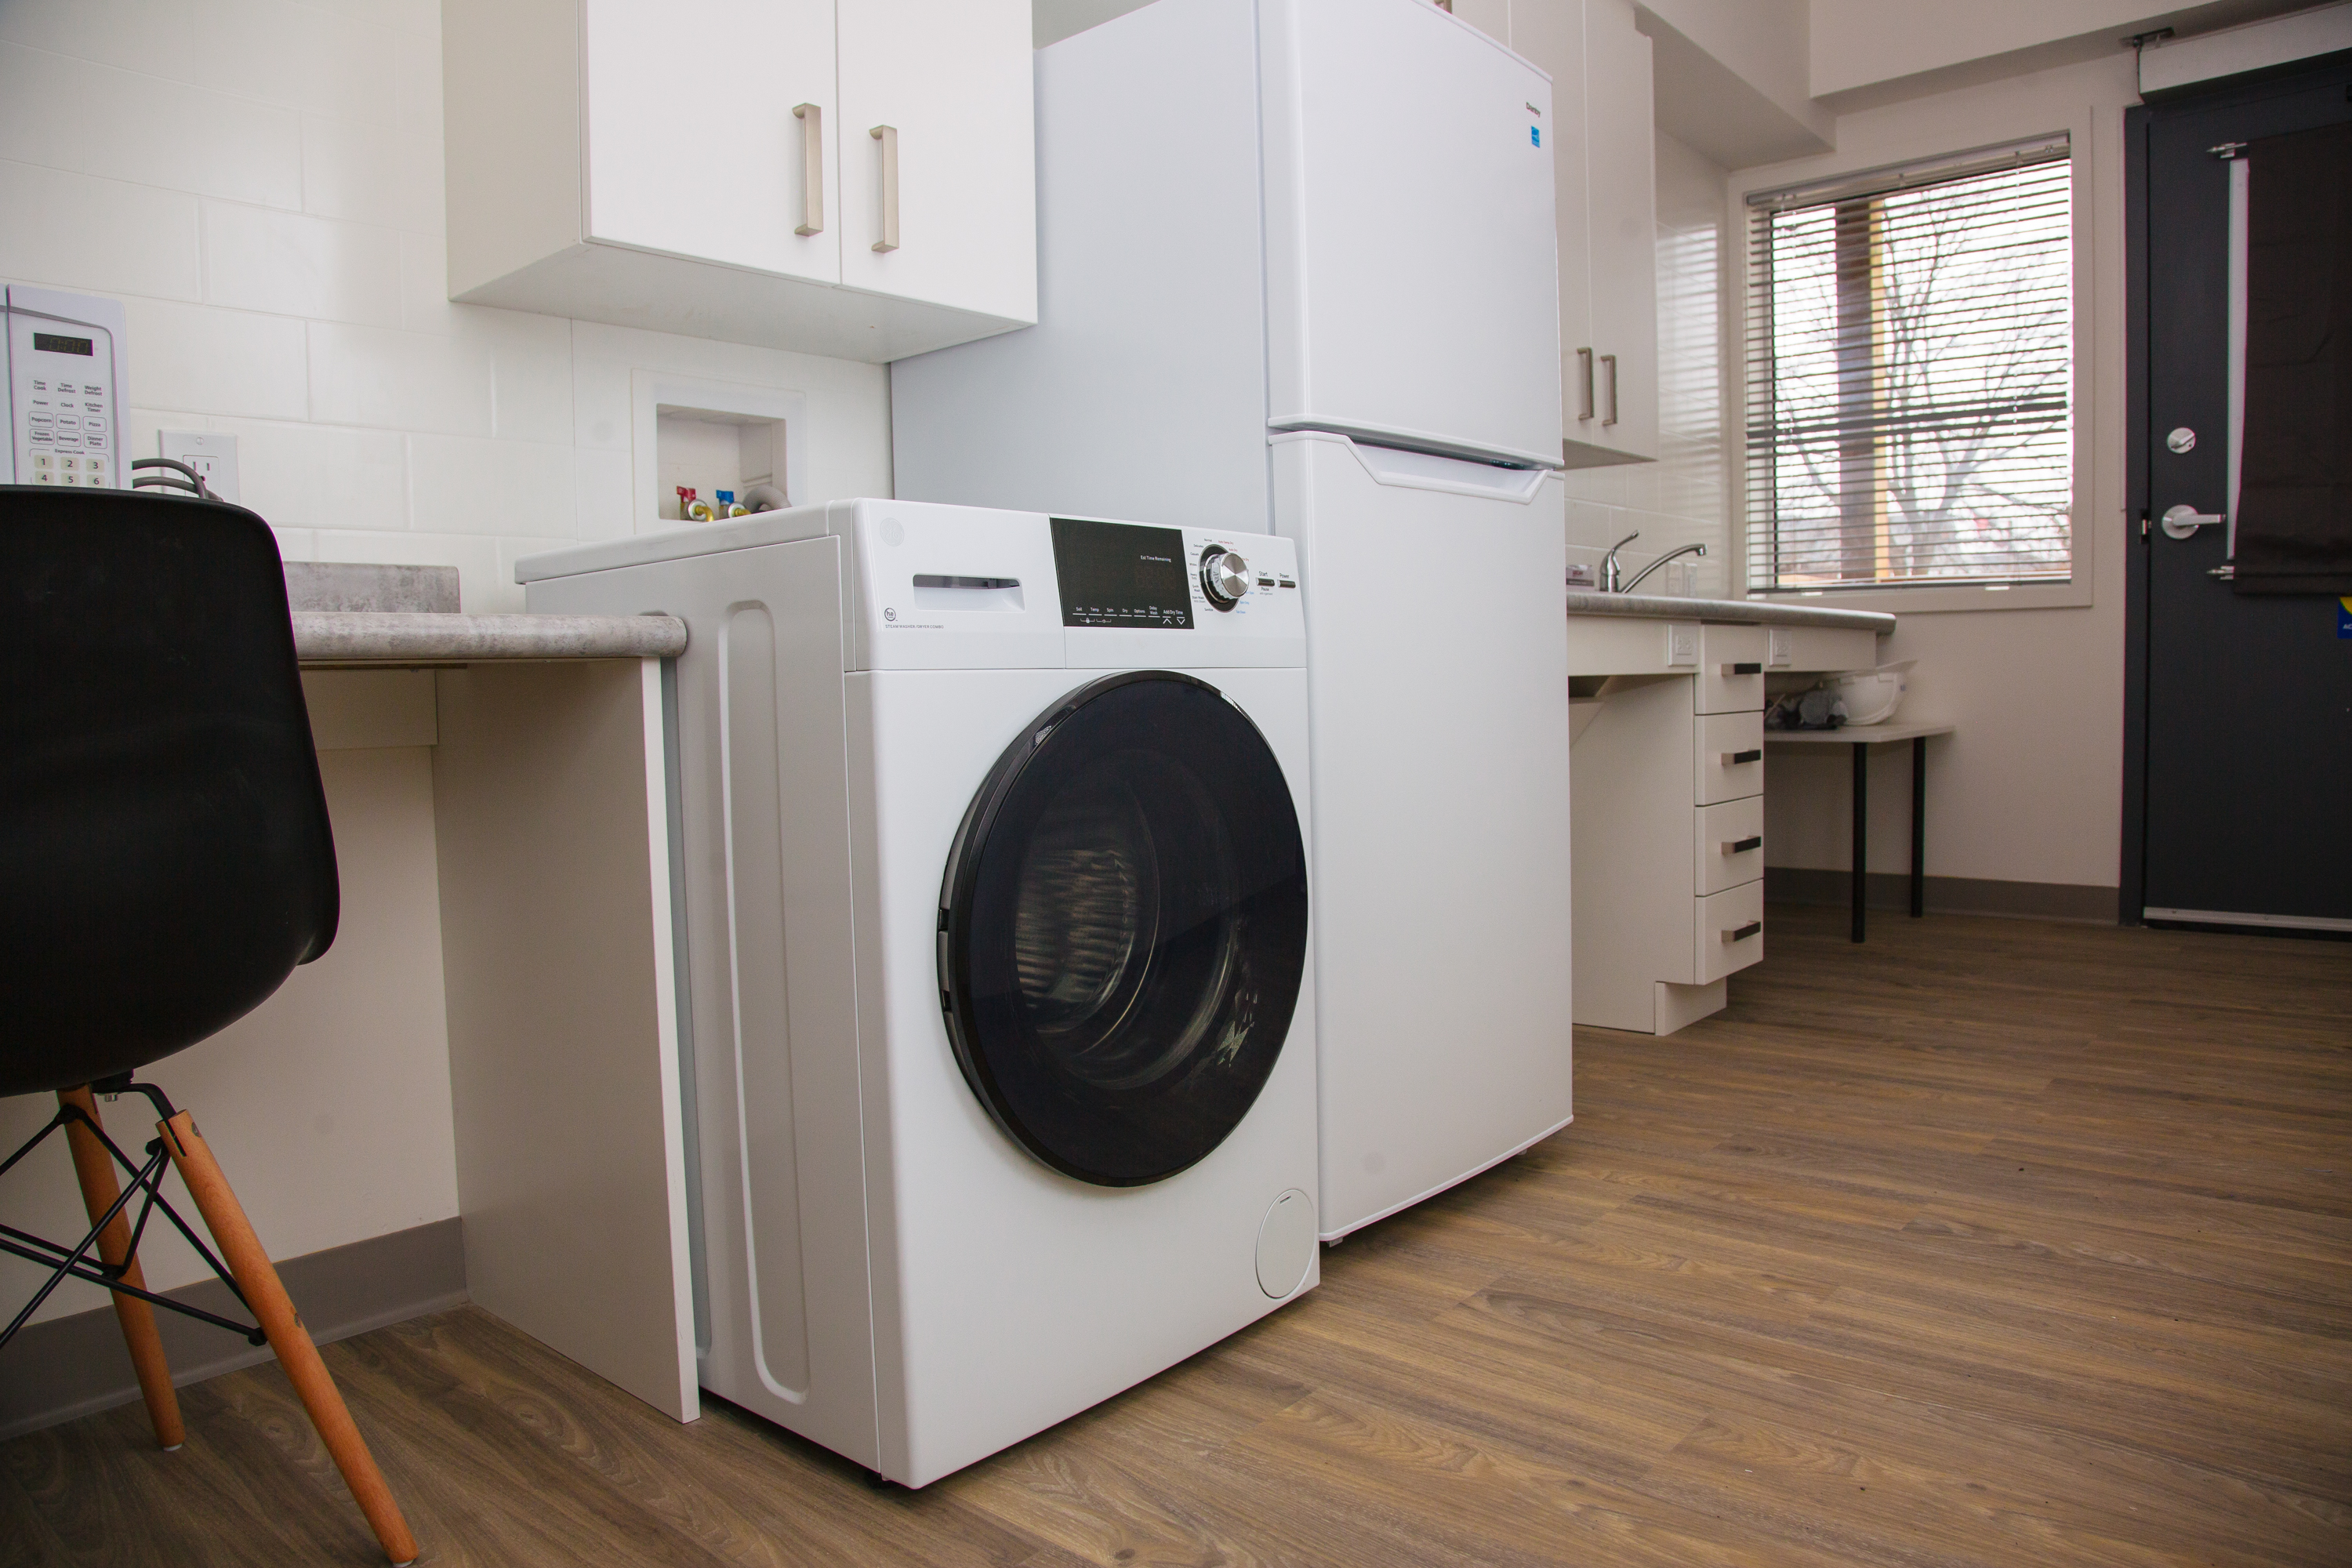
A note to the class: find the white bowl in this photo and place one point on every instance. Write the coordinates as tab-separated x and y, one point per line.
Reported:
1872	696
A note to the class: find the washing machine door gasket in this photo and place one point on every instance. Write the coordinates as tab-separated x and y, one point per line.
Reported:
1123	927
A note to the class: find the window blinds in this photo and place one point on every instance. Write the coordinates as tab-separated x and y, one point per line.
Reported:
1910	376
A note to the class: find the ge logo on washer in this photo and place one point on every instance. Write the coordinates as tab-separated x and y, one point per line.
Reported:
888	614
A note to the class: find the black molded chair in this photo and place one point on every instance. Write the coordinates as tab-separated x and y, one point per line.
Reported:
165	861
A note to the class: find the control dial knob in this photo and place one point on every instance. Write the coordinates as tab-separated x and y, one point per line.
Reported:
1224	576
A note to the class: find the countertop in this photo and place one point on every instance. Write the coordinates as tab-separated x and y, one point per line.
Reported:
362	637
1738	612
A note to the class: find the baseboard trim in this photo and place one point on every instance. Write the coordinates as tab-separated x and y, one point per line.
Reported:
1946	895
74	1366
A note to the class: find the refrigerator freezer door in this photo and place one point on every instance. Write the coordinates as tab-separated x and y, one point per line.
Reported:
1412	269
1437	671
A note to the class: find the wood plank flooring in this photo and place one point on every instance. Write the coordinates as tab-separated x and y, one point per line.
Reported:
1989	1242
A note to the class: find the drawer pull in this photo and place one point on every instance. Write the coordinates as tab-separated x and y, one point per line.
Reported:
1744	668
1741	934
1733	759
1742	846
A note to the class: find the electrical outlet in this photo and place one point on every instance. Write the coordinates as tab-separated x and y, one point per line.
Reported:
208	452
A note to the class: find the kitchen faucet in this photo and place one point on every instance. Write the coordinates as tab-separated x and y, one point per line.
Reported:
1612	574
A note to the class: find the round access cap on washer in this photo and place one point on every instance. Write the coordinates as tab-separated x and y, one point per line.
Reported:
1285	1244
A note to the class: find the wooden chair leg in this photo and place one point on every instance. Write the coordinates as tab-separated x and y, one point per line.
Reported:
95	1169
224	1217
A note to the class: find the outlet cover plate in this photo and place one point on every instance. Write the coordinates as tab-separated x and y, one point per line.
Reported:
210	453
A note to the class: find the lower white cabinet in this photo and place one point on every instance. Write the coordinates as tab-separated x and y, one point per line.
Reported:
1666	819
854	178
1731	847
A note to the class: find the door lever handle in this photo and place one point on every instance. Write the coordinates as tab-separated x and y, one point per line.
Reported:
2183	521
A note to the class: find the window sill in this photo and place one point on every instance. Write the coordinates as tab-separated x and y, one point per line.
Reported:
1927	601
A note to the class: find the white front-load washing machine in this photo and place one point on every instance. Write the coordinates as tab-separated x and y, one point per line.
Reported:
990	843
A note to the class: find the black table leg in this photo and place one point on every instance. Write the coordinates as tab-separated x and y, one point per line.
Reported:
1861	829
1918	826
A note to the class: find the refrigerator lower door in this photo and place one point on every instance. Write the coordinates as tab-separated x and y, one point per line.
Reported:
1437	672
1413	290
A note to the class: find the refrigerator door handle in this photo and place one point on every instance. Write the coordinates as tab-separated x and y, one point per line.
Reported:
1583	383
1610	361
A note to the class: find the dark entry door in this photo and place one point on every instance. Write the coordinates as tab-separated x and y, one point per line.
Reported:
2245	709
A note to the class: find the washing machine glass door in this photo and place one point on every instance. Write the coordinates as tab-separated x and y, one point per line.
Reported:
1123	927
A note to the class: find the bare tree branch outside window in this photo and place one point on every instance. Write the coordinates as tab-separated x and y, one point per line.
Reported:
1911	377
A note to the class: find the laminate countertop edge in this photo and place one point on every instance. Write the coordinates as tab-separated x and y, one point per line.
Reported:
1733	612
330	638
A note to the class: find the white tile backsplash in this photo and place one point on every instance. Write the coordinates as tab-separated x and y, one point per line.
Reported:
408	381
205	359
305	56
462	484
74	114
109	235
371	173
318	475
260	182
257	258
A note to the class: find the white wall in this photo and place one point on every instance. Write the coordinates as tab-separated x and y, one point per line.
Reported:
1681	498
260	182
2031	788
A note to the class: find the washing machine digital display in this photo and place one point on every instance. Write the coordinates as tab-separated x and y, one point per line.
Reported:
1123	927
1121	575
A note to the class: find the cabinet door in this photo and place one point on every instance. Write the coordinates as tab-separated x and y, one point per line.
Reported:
952	79
1551	34
692	146
1622	228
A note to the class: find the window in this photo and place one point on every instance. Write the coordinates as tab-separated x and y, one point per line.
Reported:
1910	377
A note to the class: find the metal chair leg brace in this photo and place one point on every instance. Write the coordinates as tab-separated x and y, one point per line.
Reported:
74	1262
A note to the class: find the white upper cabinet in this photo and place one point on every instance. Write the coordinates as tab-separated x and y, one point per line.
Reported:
716	174
1620	229
1604	164
709	167
956	113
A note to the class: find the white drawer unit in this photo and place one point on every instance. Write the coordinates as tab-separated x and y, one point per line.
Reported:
65	371
1730	670
1729	759
1667	783
1730	849
1729	932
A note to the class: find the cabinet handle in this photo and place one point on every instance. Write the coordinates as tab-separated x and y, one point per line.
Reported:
1584	383
1611	361
1743	668
813	168
888	136
1742	846
1741	934
1733	759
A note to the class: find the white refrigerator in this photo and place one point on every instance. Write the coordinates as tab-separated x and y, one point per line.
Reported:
1297	275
